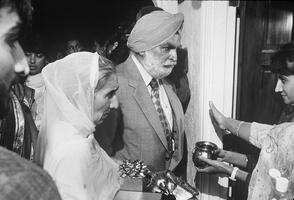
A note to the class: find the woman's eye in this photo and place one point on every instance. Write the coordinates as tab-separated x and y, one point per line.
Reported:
27	54
39	55
283	80
110	94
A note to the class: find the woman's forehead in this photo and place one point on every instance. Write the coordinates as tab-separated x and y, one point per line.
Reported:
112	81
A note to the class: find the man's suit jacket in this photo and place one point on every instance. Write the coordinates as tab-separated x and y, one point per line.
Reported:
140	130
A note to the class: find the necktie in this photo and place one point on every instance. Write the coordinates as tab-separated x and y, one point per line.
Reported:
163	120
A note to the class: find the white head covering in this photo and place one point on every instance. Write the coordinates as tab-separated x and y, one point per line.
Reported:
70	84
66	146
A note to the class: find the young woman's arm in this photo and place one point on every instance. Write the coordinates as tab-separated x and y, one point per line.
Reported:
234	158
236	127
216	166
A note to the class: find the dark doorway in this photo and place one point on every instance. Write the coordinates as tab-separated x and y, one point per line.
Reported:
265	27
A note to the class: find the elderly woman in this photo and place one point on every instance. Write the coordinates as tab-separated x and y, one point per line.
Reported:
80	90
276	142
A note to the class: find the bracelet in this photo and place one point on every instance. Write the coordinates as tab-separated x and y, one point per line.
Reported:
238	128
227	131
233	174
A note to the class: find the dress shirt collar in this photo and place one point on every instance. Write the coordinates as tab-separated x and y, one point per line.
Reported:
146	77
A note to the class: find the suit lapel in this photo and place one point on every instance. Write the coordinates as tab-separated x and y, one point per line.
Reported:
142	97
144	101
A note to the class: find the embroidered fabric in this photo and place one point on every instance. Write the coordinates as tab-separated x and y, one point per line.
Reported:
277	151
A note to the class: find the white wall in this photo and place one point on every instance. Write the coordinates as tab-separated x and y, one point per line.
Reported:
209	37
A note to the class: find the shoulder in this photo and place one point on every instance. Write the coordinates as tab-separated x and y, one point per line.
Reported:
284	130
20	177
73	149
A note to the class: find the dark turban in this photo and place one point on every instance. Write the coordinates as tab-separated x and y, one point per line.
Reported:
154	29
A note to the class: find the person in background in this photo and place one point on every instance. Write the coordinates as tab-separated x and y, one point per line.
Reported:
36	52
97	47
19	130
146	10
19	178
73	46
180	80
71	43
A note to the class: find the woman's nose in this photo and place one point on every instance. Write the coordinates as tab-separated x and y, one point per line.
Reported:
33	58
114	102
279	87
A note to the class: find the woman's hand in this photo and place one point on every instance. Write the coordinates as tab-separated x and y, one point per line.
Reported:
218	120
215	167
222	155
216	116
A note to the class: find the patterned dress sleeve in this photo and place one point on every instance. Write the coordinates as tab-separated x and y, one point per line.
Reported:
277	151
258	133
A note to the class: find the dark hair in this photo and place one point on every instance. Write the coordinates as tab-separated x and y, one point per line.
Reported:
24	10
146	10
279	61
106	69
34	43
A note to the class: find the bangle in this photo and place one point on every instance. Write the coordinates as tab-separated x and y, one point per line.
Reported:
233	174
227	131
238	128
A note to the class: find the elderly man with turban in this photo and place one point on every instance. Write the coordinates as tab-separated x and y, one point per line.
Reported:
150	126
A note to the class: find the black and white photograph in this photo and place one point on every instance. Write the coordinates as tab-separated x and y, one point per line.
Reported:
146	100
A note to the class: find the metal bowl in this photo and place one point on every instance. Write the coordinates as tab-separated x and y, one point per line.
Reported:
203	149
